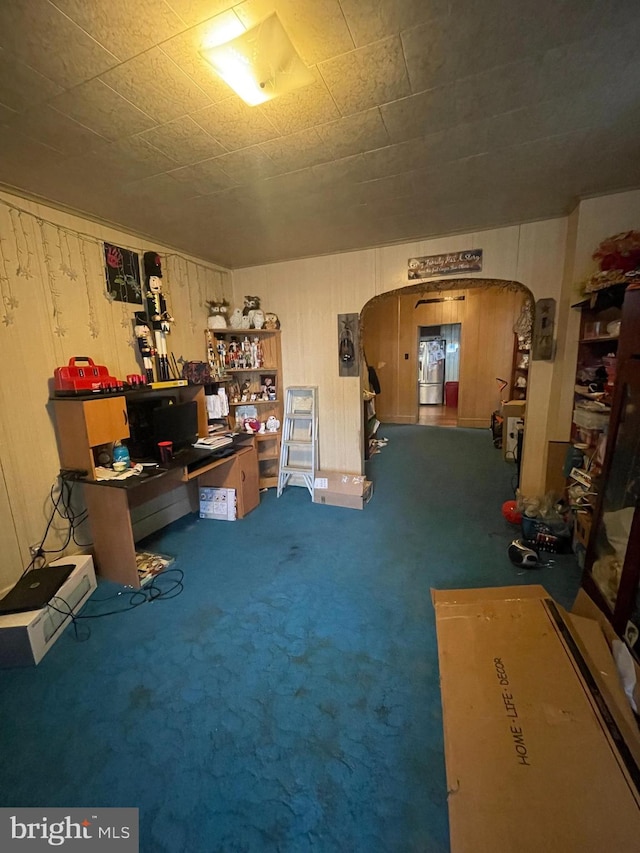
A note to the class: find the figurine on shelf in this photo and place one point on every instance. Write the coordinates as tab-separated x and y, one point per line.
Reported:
251	305
217	318
159	317
145	344
256	353
271	321
235	321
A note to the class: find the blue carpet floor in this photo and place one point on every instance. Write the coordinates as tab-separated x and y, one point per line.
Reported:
288	699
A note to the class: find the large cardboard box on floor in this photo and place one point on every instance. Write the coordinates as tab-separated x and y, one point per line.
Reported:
336	488
541	746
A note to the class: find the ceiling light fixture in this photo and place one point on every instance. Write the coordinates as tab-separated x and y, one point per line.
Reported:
261	63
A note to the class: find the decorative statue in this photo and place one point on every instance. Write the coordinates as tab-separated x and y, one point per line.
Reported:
271	321
217	314
145	344
159	317
236	319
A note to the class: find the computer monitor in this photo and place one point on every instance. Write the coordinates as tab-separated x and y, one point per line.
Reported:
160	419
177	423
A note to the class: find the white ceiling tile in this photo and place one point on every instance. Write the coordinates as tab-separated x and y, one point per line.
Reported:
291	183
56	130
431	53
345	171
420	115
159	190
184	141
419	153
550	118
234	124
25	162
317	28
304	108
248	164
354	134
391	187
156	85
21	86
112	24
296	151
498	90
6	113
128	160
582	65
371	75
466	139
203	178
371	20
103	110
500	32
31	33
520	109
196	11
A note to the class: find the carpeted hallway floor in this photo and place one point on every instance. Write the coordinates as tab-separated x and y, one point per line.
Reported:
288	699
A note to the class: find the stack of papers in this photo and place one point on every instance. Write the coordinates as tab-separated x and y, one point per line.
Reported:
214	442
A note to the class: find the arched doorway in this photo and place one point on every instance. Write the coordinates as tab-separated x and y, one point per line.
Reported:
495	318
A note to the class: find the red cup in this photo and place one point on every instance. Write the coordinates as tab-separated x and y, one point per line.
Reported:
166	450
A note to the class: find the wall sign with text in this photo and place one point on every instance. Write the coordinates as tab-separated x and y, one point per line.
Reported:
470	260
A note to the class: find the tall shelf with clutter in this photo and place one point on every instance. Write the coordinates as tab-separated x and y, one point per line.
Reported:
248	355
604	484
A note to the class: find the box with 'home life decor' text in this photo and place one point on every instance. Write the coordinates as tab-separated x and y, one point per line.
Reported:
541	747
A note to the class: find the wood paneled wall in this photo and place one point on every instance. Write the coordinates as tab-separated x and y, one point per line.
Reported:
391	330
55	306
308	294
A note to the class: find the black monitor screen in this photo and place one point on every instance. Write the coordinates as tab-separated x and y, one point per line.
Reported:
177	423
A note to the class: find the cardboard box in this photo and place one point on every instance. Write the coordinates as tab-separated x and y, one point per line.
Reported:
219	504
542	750
25	638
336	488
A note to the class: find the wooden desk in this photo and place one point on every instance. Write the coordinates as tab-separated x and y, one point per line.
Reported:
122	512
110	505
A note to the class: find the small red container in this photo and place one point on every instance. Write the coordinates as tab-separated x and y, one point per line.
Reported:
82	376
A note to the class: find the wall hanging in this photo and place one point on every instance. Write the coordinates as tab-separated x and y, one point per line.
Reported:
348	344
542	342
448	263
122	269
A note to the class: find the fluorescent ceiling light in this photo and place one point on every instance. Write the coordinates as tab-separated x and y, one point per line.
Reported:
261	63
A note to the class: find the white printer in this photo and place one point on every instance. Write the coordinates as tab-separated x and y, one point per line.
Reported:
25	638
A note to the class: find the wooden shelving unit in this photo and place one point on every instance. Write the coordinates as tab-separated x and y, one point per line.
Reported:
519	371
244	383
612	521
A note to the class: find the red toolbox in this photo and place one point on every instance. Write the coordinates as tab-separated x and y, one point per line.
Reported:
82	376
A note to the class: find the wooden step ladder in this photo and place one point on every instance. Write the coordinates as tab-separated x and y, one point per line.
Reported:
299	447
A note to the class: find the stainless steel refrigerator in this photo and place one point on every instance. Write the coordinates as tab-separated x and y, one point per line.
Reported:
431	357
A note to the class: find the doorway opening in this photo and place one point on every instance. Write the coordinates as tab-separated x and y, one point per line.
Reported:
493	320
438	374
